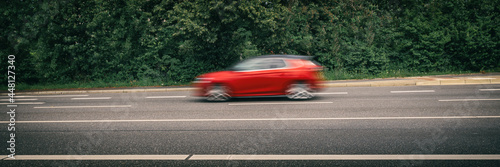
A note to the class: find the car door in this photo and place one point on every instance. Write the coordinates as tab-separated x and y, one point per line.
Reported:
276	76
265	78
248	80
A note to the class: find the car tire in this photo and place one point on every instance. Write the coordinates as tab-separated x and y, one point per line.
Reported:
218	93
299	91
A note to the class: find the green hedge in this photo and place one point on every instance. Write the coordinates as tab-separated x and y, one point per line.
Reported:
168	41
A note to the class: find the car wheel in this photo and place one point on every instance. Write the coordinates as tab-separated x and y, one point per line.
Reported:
218	93
299	91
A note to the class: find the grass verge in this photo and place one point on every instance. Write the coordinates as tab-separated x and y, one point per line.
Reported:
88	85
345	75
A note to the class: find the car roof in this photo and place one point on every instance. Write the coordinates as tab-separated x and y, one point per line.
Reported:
286	56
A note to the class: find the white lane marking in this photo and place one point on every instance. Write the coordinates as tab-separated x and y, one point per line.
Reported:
285	103
91	98
351	157
259	119
115	106
489	89
19	99
99	157
164	97
414	91
264	157
54	96
331	93
34	103
462	100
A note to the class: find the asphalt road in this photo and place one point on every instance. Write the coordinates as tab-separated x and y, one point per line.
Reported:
348	126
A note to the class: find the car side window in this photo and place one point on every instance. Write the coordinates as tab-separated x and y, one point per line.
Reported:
260	64
263	64
277	63
270	64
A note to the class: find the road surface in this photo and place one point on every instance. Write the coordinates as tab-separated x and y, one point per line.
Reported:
352	126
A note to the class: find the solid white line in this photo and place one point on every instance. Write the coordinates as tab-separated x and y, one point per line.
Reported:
351	157
55	96
414	91
247	104
164	97
489	89
23	103
259	119
462	100
264	157
331	93
99	157
116	106
19	99
91	98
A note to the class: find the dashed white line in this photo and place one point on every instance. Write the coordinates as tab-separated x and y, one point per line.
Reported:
414	91
259	119
331	93
228	157
164	97
489	89
115	106
285	103
91	98
462	100
53	96
29	103
19	99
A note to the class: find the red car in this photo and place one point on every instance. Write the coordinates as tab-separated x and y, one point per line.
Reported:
271	75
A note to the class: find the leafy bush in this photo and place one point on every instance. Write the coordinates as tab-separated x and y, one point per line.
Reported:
166	41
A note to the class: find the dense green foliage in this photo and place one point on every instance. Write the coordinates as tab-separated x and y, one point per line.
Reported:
172	41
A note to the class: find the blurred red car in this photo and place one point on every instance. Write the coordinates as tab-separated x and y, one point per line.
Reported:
272	75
